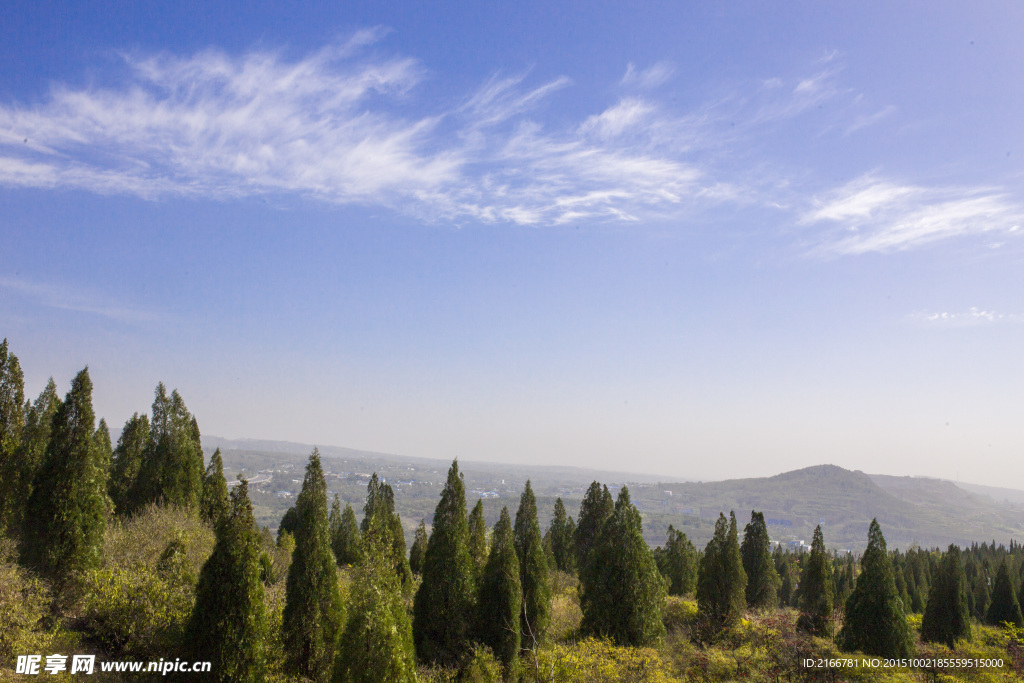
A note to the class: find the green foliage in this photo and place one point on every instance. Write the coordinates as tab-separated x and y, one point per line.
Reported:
213	504
478	538
380	506
533	570
501	596
419	548
12	423
19	472
677	562
875	621
601	661
171	471
596	508
762	579
621	589
562	534
721	582
68	507
946	618
444	606
313	610
228	626
348	543
24	602
127	460
376	645
816	594
1004	607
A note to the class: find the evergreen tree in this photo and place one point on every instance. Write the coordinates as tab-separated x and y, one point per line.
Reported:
376	644
762	579
445	602
816	594
1003	606
172	467
289	523
501	596
347	541
946	618
721	581
380	505
596	508
313	608
12	424
785	584
478	538
68	507
132	446
679	563
213	503
980	595
875	622
561	532
533	569
334	525
419	548
19	479
621	588
228	626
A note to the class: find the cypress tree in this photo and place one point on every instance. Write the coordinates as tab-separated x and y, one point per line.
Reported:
347	541
762	579
376	644
561	531
785	584
679	563
946	618
132	446
501	596
12	424
313	608
816	594
419	547
380	505
172	468
444	606
875	621
721	581
18	481
533	569
596	508
478	538
981	595
213	503
334	525
1003	606
621	588
228	626
68	507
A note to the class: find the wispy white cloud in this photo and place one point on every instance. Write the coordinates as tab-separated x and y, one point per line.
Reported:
876	215
645	79
865	120
973	317
74	299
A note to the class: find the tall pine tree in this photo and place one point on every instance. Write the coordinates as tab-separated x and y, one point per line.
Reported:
313	611
1003	607
347	541
445	602
533	570
419	548
213	504
561	531
876	622
621	588
679	563
12	424
946	618
721	581
762	579
501	596
171	471
228	626
478	538
132	446
816	593
596	508
68	507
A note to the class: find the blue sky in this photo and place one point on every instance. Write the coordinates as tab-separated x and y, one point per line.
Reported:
703	242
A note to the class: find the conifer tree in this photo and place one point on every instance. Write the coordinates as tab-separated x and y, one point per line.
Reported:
596	508
478	538
946	618
376	644
127	459
419	547
721	581
213	504
533	569
875	622
172	467
621	588
313	608
334	524
980	595
445	602
347	542
1004	606
12	424
679	563
18	480
228	626
67	511
762	579
816	592
561	532
380	505
501	596
785	584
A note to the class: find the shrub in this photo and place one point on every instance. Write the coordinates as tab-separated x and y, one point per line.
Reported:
23	608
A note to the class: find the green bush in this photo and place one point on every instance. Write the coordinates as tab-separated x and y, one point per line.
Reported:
24	601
